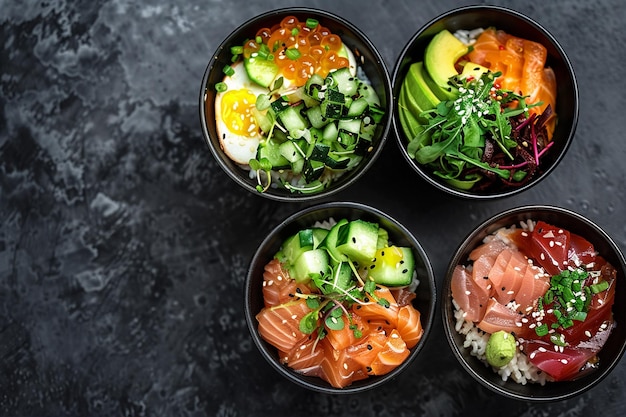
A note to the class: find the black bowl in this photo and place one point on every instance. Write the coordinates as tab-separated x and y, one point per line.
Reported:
368	59
515	23
398	234
610	353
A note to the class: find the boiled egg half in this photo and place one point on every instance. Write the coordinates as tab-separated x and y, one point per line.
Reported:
235	123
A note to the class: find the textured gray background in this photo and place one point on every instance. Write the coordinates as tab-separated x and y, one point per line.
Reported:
123	246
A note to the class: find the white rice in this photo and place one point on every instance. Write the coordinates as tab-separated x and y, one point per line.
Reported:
519	369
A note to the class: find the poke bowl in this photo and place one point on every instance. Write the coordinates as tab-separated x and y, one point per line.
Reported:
486	102
355	307
295	104
533	301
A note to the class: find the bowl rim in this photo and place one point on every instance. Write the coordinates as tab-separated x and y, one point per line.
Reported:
399	133
486	226
386	86
291	375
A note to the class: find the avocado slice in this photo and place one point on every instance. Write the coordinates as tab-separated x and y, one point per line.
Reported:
442	52
446	93
416	86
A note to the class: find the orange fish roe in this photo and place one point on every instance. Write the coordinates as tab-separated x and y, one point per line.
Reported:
300	48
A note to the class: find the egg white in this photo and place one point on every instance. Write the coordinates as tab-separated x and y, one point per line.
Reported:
238	148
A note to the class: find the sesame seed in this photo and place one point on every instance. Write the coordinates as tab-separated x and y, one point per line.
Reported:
468	292
564	361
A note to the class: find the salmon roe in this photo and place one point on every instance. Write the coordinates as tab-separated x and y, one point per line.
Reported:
300	48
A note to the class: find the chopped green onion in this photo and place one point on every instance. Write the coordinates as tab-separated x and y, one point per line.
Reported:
228	70
236	50
541	330
295	31
311	23
599	287
558	339
258	40
292	53
221	87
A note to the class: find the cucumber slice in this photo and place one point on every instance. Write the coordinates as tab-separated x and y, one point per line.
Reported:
261	71
330	243
270	150
392	266
314	261
358	240
296	245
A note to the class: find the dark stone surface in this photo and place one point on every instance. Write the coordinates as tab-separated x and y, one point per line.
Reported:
123	246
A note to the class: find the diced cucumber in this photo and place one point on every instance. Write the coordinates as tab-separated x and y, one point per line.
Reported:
393	266
270	150
350	125
316	118
367	92
363	146
278	106
261	71
315	87
358	239
263	120
319	234
313	169
383	238
298	166
314	261
330	132
319	152
291	151
344	81
330	242
296	245
292	119
334	161
358	107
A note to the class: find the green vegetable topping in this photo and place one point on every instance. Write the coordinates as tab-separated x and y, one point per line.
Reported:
568	300
462	137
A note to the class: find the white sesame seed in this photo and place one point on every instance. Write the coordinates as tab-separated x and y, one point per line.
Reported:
564	361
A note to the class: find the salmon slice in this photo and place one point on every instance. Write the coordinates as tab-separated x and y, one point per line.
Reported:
534	285
523	66
409	325
497	273
278	286
279	325
393	353
305	357
365	351
499	317
507	285
341	339
371	309
339	368
470	297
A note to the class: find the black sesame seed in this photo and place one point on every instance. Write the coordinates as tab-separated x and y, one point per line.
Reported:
369	369
369	347
404	271
503	288
298	290
353	239
291	295
366	299
383	253
372	267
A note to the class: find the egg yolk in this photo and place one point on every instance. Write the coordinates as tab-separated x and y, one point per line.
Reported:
237	112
